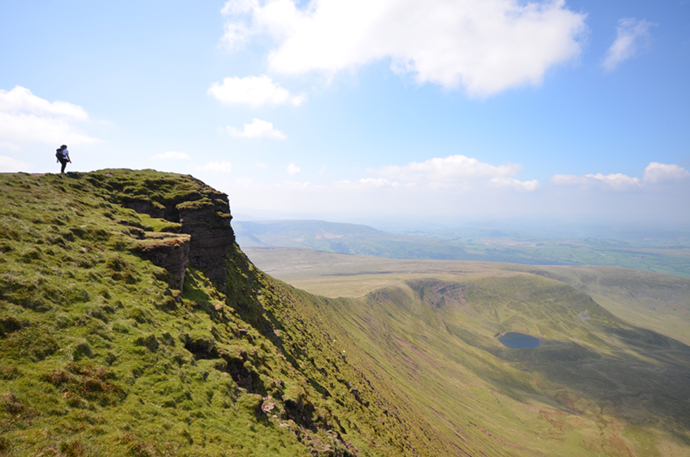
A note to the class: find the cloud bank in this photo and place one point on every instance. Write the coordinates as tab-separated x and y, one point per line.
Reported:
485	46
26	118
480	190
446	170
654	174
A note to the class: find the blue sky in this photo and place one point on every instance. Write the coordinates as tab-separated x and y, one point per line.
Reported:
364	110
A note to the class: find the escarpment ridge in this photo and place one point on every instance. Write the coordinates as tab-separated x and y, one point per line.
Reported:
132	324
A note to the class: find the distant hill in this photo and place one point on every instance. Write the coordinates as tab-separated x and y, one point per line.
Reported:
343	239
669	254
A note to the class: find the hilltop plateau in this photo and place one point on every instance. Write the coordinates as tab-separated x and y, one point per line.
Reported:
132	324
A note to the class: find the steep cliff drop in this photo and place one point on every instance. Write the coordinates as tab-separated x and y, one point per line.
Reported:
203	214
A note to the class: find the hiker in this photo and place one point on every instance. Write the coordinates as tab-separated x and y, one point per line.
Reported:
62	155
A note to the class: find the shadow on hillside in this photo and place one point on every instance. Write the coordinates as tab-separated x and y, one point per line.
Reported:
645	377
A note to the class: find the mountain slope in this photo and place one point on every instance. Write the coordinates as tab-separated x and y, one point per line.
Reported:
104	354
596	385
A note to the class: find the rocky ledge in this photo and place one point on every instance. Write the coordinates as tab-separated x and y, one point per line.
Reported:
203	214
166	250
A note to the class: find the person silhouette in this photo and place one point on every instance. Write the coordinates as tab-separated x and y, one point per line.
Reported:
62	155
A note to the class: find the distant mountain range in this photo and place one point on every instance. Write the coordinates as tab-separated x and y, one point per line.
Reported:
662	255
344	239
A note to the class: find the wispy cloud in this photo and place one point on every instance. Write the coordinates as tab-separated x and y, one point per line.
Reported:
631	36
448	169
253	91
366	184
616	181
485	46
217	166
293	169
655	173
257	129
8	164
9	146
171	155
515	184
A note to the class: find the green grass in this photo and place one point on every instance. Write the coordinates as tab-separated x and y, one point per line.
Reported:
597	385
101	356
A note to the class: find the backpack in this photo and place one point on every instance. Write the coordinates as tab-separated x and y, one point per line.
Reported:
58	154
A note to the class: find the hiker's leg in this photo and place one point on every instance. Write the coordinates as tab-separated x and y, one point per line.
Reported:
64	164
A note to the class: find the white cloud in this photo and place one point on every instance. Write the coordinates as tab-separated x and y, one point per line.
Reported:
657	173
631	34
486	46
515	184
25	117
219	167
448	169
9	146
654	173
366	184
253	91
293	169
615	181
31	128
296	185
21	100
171	155
261	165
257	129
8	164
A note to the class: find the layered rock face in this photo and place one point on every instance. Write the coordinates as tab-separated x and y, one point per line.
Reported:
206	233
146	206
169	251
208	222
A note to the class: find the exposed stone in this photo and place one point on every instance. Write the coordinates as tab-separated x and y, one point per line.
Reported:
205	217
208	222
144	205
169	251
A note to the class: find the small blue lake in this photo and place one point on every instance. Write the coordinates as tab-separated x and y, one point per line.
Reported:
519	340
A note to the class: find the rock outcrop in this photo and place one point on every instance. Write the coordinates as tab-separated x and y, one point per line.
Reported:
169	251
207	221
204	218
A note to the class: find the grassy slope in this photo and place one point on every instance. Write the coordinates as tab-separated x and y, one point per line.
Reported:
658	302
101	357
595	385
